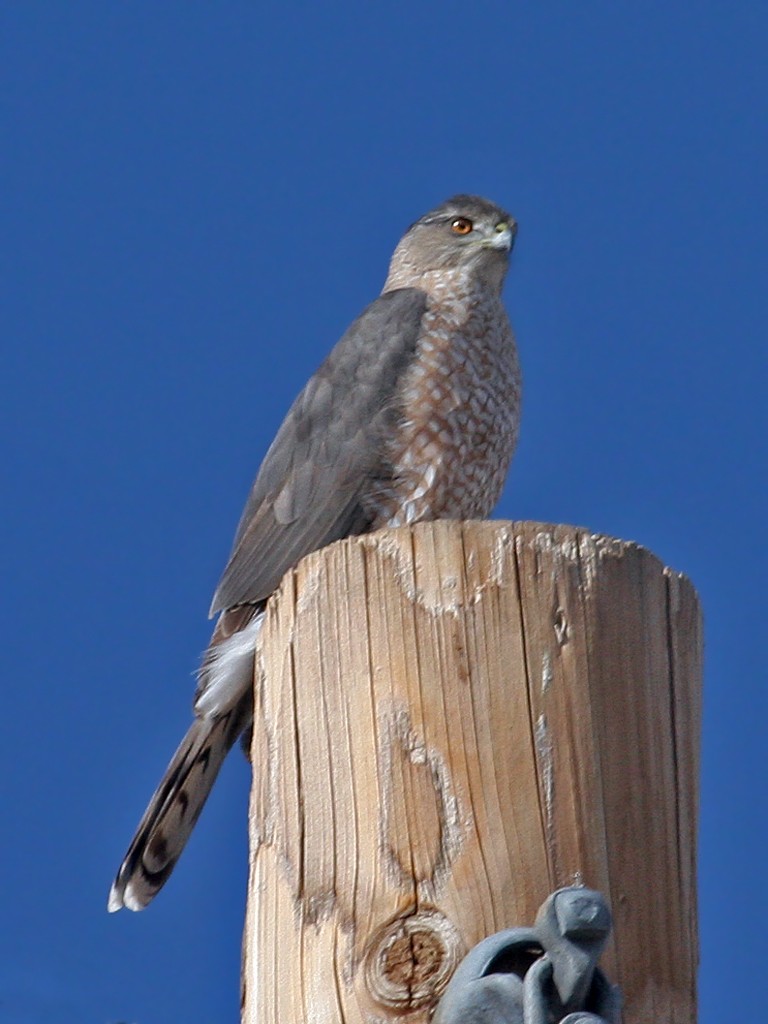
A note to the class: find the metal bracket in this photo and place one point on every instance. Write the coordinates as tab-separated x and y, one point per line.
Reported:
547	974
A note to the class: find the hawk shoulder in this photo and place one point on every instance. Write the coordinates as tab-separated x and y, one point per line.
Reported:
328	449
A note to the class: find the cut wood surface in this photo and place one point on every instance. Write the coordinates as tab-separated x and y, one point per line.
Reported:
453	720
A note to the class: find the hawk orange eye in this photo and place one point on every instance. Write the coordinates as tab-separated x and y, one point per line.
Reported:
461	226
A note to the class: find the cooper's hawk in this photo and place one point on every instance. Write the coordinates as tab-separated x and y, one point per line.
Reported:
413	416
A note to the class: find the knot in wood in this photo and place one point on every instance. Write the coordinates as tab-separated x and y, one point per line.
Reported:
411	960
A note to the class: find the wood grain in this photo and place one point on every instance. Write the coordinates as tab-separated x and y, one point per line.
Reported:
452	721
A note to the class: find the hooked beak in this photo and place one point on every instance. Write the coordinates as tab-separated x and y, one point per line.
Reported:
502	236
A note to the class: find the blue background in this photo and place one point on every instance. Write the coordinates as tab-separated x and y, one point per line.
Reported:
196	199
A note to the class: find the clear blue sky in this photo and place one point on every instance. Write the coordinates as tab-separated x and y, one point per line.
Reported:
196	200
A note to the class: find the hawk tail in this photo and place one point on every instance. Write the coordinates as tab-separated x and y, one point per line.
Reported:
175	807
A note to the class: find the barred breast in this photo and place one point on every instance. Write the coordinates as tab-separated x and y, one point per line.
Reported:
459	416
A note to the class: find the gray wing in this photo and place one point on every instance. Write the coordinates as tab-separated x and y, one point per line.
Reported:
327	453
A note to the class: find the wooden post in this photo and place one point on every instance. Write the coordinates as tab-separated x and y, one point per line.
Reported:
452	721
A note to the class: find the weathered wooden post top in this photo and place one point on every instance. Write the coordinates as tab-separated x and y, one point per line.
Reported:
453	721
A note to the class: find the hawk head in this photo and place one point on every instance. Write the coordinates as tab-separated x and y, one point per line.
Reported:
464	233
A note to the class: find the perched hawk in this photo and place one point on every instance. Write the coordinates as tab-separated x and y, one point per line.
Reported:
413	416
